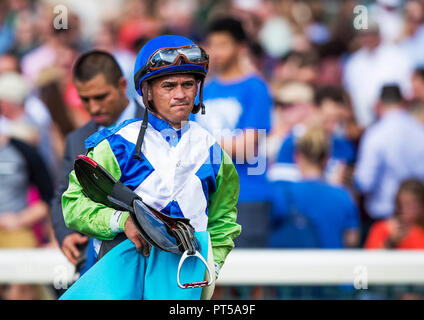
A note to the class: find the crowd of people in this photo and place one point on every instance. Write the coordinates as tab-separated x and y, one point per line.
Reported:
324	119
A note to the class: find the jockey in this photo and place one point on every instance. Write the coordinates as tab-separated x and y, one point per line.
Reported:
173	164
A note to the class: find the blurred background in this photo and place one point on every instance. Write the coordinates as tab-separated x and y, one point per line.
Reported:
344	102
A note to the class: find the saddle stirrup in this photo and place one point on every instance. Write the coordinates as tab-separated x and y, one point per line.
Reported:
198	284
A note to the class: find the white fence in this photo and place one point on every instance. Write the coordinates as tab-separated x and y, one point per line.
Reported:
243	266
323	267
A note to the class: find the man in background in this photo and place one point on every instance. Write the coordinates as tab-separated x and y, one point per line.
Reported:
102	90
390	151
368	69
21	167
238	107
17	121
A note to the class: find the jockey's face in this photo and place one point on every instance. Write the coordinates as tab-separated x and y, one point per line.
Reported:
173	97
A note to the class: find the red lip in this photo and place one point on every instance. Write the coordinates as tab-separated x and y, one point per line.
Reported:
100	118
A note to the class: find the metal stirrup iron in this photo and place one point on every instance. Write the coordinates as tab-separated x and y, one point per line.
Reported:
198	284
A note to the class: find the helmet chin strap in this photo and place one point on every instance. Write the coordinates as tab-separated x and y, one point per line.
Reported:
200	105
143	127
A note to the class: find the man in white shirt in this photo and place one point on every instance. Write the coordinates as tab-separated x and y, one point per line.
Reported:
390	151
368	69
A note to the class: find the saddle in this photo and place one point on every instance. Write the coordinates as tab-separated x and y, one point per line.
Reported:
172	234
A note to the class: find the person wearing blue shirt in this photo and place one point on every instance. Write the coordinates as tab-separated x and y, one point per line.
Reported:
330	102
238	108
330	218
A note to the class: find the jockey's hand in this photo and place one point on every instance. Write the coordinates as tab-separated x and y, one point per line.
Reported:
132	233
70	246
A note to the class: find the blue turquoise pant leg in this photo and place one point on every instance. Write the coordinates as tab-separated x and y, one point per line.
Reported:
160	281
119	275
124	274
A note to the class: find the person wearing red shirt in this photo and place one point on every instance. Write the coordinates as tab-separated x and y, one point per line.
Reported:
406	229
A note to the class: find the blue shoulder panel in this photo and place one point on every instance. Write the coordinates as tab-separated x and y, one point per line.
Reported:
99	136
133	171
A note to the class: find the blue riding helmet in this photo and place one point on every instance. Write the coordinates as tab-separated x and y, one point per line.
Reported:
169	54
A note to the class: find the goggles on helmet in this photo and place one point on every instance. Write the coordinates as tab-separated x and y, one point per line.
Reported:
167	57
